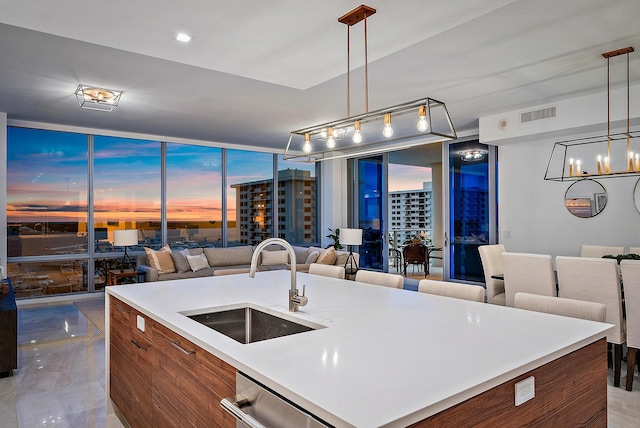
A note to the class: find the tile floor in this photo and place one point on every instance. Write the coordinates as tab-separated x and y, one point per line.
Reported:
60	379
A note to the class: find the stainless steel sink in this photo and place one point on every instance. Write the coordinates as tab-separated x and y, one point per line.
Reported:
246	324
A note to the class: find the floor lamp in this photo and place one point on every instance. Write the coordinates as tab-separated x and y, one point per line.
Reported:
124	238
351	237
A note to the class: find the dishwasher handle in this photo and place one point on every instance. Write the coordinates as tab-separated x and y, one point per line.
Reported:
234	405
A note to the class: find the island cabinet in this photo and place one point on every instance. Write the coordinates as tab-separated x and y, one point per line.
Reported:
160	379
188	383
131	363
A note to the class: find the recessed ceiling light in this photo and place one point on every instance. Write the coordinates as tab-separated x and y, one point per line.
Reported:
182	37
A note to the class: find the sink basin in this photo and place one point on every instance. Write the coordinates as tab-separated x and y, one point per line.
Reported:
247	324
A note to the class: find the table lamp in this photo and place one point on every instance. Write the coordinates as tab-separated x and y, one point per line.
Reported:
351	237
124	238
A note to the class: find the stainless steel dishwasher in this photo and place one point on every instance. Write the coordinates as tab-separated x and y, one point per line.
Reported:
258	407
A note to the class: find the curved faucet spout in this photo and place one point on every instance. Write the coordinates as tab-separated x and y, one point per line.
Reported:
295	300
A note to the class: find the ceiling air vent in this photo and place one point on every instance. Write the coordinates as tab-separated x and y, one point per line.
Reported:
544	113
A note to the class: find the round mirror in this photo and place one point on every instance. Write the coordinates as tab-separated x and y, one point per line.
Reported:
636	195
587	198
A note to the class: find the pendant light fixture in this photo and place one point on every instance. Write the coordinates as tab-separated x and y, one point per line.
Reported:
603	156
392	128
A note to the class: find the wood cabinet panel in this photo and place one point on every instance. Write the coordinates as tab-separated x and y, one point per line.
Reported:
160	379
131	364
570	391
186	374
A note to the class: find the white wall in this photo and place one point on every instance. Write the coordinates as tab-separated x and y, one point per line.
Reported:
333	197
532	216
532	211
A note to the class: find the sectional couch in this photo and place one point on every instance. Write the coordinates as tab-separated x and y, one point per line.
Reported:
167	264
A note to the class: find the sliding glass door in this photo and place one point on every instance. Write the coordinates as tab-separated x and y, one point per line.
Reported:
369	204
471	218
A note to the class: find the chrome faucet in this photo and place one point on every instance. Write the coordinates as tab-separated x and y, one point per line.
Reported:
295	300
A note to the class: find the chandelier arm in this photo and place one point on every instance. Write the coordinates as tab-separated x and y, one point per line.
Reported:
366	68
608	110
348	70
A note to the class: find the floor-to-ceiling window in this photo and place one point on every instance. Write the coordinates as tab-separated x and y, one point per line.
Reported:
471	207
194	196
68	192
370	209
126	195
410	209
296	202
46	211
249	197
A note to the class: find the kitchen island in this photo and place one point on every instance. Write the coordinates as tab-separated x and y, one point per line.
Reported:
393	358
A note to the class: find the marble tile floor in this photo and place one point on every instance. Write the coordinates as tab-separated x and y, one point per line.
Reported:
60	380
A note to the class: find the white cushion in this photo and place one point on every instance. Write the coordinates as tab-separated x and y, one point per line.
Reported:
270	258
161	259
198	262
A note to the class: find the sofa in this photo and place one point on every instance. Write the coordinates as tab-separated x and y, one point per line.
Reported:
168	264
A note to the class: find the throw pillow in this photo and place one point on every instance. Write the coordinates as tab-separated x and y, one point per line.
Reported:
270	258
327	257
180	260
312	257
161	259
198	262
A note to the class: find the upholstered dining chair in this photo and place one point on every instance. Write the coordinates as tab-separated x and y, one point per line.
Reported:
331	271
491	257
416	254
528	273
380	278
591	311
599	251
631	280
596	280
456	290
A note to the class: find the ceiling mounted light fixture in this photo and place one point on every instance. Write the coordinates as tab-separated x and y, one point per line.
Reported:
97	98
473	155
392	128
601	156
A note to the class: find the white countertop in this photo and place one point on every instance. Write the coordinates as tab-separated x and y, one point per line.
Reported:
388	357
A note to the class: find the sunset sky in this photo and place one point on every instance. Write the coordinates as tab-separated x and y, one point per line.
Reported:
47	177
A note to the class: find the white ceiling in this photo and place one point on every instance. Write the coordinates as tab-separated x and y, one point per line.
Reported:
255	69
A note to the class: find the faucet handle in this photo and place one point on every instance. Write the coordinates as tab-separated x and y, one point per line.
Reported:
302	300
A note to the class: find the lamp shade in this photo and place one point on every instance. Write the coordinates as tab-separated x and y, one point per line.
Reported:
123	238
351	236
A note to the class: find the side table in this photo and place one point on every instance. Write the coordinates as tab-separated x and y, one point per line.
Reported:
114	274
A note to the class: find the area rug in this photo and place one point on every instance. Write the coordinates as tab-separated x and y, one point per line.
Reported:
93	310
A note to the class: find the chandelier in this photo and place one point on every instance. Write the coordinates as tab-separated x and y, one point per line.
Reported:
401	126
97	98
604	156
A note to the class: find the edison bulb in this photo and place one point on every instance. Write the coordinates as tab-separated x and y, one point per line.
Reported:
307	147
331	142
357	137
422	124
387	131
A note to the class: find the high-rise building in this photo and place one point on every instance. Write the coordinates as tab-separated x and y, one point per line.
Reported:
296	208
410	213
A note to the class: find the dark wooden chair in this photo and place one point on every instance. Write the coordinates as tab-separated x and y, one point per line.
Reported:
416	254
